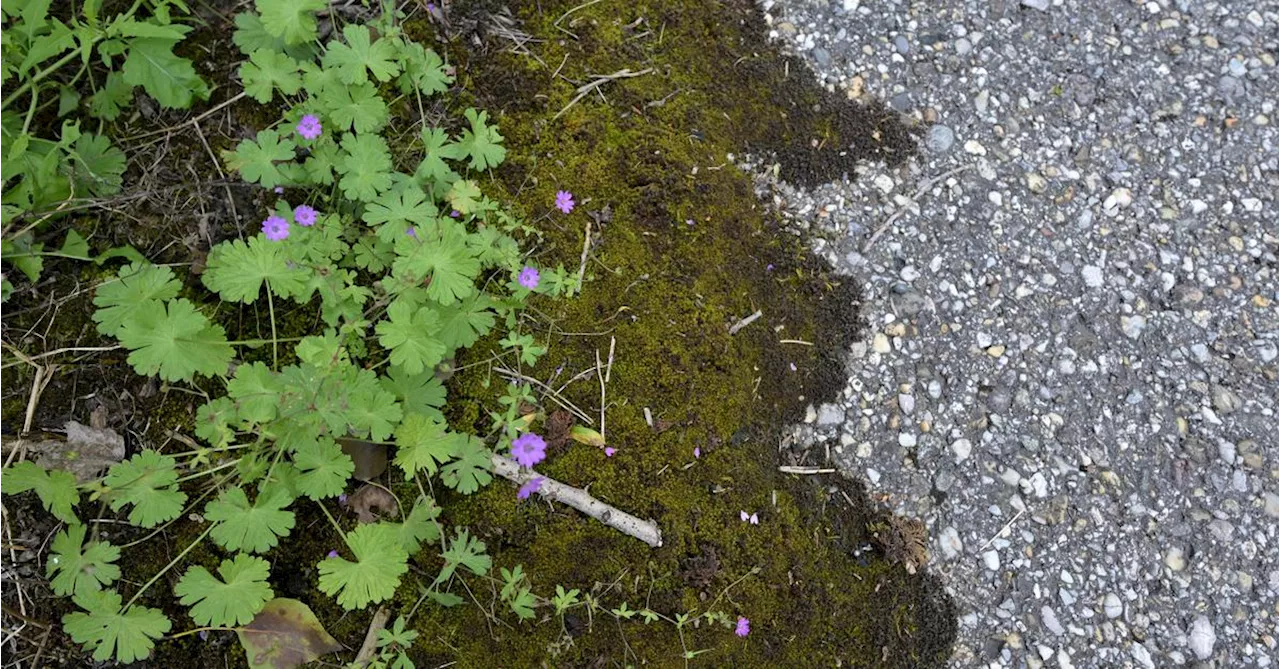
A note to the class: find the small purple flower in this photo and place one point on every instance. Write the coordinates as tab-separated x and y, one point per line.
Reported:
793	366
769	267
204	635
332	554
609	451
697	451
743	515
744	627
564	201
529	277
455	213
688	221
342	500
412	232
755	520
276	228
309	127
531	486
279	190
305	216
528	449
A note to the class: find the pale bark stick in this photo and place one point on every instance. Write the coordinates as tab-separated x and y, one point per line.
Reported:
644	530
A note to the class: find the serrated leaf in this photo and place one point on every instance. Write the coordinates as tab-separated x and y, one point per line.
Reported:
112	97
396	210
236	271
119	299
269	71
423	70
462	324
74	567
126	636
322	351
420	525
213	421
325	469
442	254
357	107
433	169
256	391
360	56
366	167
230	601
420	393
171	80
294	21
256	159
149	482
410	335
464	195
380	562
374	412
464	551
96	166
253	527
56	489
482	142
470	468
423	444
175	343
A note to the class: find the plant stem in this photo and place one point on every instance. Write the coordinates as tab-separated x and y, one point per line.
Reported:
39	76
206	472
336	526
275	348
167	567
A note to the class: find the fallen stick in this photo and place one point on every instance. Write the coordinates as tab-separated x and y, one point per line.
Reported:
370	645
920	192
788	469
599	81
733	329
644	530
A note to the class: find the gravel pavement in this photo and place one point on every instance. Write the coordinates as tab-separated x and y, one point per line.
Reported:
1070	370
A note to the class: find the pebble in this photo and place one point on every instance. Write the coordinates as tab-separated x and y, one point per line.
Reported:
907	403
1175	559
974	147
962	448
1092	276
880	343
821	56
939	139
1132	326
830	414
1201	638
992	560
901	45
1112	606
1042	5
1050	620
949	541
884	182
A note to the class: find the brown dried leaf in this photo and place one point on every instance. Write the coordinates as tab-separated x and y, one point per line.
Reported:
370	458
557	428
85	452
370	499
285	635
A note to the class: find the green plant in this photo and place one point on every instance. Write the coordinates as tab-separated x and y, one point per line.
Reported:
53	57
400	285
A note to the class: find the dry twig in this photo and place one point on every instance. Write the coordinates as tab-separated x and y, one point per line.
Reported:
644	530
596	83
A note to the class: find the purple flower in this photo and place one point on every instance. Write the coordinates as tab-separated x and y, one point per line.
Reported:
276	228
769	267
609	451
332	554
455	213
309	127
279	190
204	635
412	232
529	277
304	215
342	499
531	486
564	201
755	520
528	449
697	451
744	627
743	515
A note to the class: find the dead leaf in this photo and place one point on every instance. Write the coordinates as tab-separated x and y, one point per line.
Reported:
85	452
285	635
370	498
557	428
585	435
370	458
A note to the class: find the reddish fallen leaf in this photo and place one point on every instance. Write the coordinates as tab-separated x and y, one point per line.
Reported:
285	634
